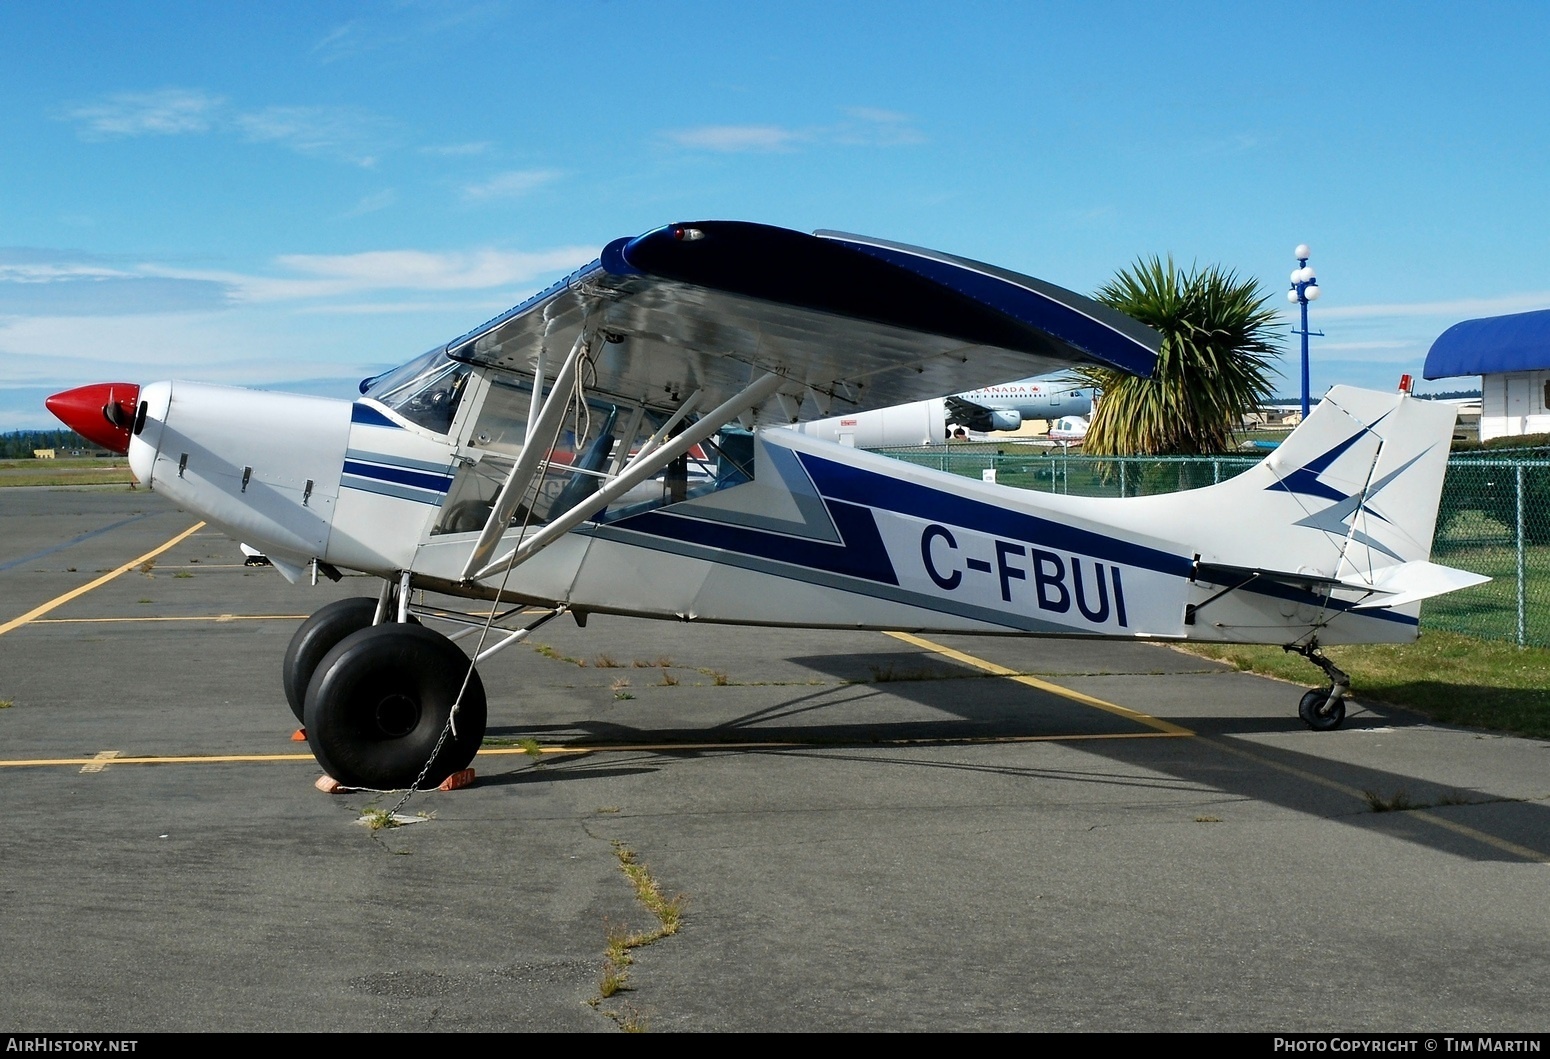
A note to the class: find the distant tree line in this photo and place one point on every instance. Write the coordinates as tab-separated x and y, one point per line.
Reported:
19	444
1443	395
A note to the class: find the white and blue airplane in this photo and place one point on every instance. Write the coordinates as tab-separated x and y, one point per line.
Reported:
539	465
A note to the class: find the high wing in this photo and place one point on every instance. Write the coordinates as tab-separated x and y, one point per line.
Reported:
848	323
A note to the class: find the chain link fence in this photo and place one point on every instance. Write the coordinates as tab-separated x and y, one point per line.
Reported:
1494	519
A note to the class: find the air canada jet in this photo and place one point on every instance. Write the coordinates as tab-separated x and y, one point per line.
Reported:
539	466
1009	405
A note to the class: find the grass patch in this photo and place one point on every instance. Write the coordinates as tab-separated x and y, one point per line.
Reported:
887	674
6	704
667	910
617	950
549	652
1444	676
85	471
377	819
1399	802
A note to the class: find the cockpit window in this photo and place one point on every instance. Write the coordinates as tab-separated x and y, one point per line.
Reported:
586	450
426	391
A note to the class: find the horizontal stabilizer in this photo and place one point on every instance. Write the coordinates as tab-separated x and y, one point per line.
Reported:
1413	581
1394	585
1238	576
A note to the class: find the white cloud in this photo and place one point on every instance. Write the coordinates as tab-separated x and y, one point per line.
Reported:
336	275
408	27
65	285
379	200
46	349
164	112
1345	346
457	150
54	283
347	133
512	184
872	127
736	138
863	127
340	42
54	271
1457	309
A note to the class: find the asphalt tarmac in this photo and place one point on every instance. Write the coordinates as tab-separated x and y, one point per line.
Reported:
860	832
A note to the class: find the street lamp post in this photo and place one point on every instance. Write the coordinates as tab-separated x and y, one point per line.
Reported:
1305	288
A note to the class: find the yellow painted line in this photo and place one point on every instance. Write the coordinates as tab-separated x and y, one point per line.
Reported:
1361	796
1480	836
1161	726
38	612
99	761
217	618
201	759
789	744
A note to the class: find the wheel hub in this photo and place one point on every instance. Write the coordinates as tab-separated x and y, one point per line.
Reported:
397	715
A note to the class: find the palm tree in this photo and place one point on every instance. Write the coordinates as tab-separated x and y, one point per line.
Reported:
1218	341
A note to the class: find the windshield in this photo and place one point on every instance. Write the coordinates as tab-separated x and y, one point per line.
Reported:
426	391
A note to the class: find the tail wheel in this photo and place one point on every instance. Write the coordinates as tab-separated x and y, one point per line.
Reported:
378	704
1319	713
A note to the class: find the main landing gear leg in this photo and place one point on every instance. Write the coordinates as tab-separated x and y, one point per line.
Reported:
1322	709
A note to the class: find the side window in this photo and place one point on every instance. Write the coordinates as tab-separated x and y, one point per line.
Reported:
590	446
579	459
494	443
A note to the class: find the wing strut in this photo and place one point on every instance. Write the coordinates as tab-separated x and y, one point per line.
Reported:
649	461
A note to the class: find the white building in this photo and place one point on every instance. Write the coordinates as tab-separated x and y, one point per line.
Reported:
1511	354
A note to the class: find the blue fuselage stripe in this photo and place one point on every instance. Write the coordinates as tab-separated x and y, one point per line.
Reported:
435	483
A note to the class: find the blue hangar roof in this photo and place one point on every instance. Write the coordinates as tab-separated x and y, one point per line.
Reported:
1490	346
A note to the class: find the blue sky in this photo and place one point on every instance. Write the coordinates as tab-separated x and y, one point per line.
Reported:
298	195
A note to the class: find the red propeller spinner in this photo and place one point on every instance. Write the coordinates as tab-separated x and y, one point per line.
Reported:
103	412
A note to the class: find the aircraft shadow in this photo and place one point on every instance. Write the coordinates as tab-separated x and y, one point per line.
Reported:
965	708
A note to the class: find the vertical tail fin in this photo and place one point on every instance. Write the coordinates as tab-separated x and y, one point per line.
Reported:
1367	468
1352	496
